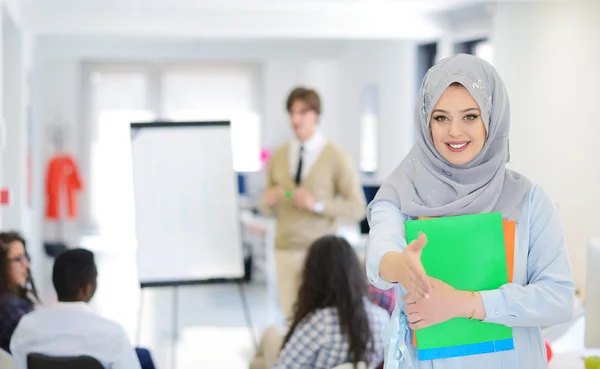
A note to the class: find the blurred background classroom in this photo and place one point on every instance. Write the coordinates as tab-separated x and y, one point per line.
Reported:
76	73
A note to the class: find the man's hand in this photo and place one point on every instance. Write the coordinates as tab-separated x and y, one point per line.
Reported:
272	195
304	199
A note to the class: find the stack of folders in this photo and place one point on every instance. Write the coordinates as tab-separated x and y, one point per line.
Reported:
470	253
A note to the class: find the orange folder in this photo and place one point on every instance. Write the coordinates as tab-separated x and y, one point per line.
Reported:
510	229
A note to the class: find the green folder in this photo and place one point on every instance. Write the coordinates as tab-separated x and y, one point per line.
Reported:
468	253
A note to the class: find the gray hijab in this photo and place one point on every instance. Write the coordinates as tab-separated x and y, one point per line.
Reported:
425	184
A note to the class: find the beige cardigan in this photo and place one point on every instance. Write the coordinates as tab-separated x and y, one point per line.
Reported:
333	179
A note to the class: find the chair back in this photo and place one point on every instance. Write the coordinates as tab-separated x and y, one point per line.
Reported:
361	365
39	361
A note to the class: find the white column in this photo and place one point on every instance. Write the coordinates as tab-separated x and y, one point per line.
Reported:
390	67
31	217
398	97
445	44
14	158
324	76
27	50
2	120
547	54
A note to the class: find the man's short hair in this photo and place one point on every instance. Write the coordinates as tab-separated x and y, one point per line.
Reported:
73	270
308	96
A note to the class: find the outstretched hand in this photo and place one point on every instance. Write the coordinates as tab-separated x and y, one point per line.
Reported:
405	268
418	277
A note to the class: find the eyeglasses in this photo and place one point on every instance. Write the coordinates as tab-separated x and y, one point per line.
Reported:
20	259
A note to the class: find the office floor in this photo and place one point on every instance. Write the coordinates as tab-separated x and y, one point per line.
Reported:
188	327
211	327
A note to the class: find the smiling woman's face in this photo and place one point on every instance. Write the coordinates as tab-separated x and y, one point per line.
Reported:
457	129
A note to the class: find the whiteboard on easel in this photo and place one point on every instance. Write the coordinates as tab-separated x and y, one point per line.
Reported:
186	204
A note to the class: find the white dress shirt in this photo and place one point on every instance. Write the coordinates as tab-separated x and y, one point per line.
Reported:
72	329
312	150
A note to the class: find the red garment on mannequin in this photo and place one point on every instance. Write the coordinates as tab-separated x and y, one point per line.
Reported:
62	180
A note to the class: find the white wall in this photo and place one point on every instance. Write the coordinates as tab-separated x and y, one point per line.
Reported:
284	65
547	54
16	64
238	19
337	69
463	24
392	66
2	126
57	88
14	158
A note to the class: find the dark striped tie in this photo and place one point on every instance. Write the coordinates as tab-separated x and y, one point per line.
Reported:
299	170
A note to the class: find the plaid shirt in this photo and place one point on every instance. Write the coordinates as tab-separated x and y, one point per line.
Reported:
318	343
383	298
12	308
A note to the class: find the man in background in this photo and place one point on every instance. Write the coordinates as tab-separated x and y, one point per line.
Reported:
312	187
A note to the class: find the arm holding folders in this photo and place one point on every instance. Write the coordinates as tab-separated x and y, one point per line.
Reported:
456	304
548	297
545	296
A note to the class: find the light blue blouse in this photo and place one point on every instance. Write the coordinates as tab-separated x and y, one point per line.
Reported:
542	293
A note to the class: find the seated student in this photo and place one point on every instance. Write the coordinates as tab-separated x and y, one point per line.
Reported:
69	327
383	298
17	291
333	321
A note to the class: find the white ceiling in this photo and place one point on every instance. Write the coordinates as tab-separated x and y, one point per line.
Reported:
402	5
337	19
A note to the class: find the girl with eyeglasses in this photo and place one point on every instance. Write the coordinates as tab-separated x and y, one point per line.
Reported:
17	290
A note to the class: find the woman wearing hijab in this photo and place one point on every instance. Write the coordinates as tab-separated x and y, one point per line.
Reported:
457	167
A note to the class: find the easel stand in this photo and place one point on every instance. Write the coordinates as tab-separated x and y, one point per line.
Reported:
175	308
